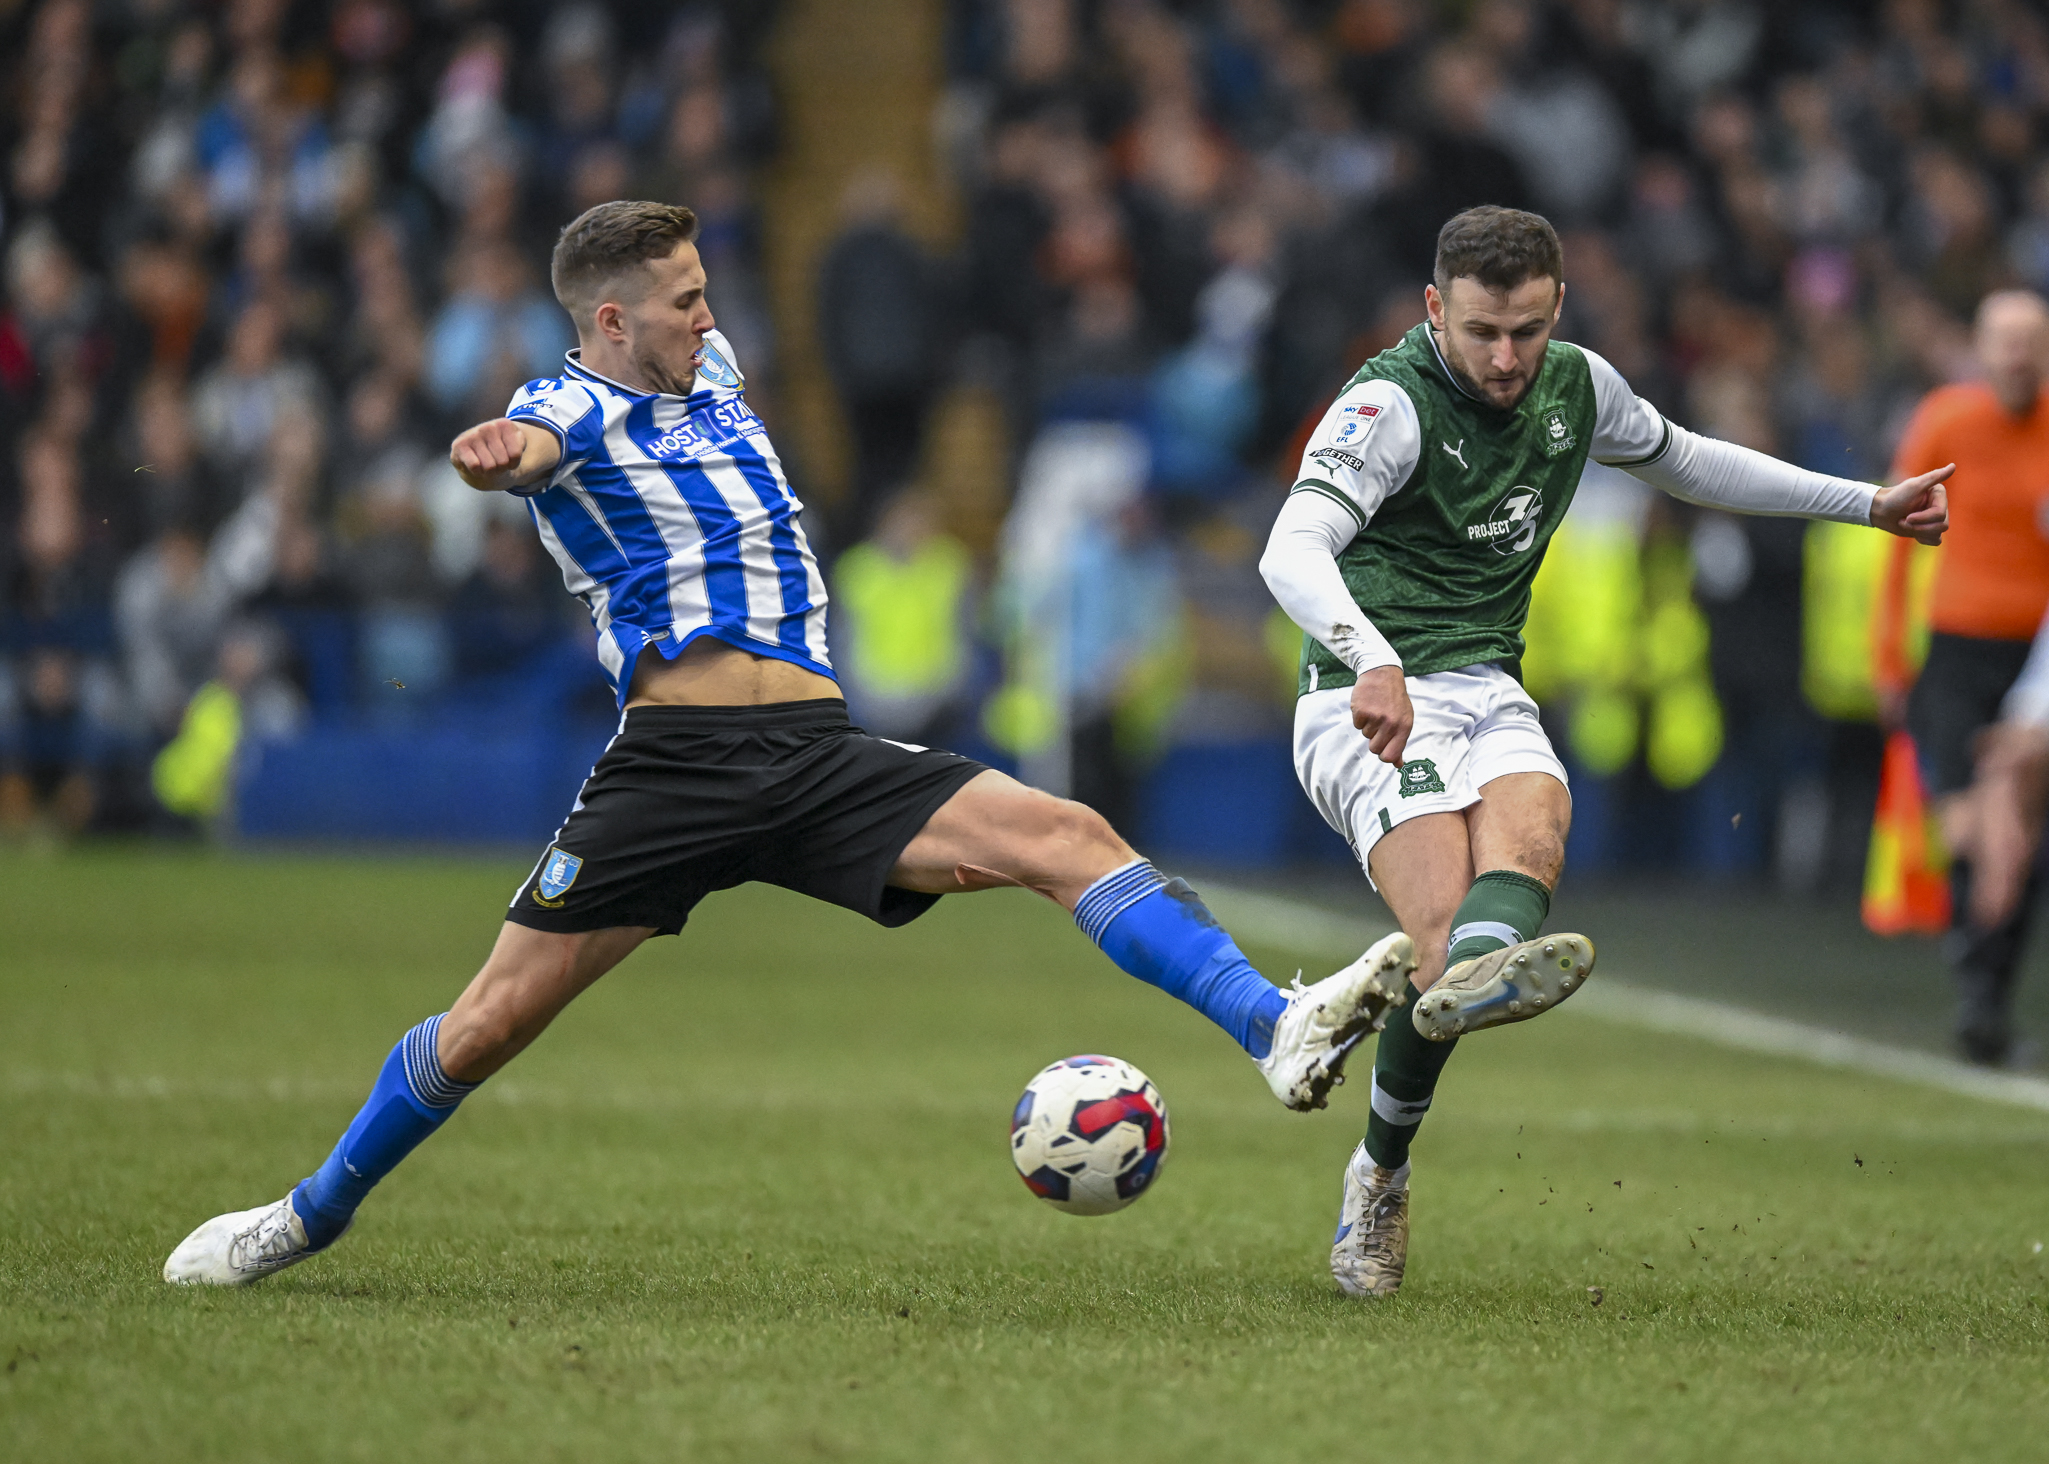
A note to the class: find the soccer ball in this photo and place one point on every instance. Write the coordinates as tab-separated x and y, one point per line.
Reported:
1089	1135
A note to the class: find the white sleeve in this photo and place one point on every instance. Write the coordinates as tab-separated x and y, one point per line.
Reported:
2028	698
1363	450
1628	430
1301	568
567	410
1629	433
560	406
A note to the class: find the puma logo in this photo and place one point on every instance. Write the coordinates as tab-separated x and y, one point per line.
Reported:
1458	452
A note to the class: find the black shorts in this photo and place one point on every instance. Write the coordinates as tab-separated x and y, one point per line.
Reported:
687	800
1957	696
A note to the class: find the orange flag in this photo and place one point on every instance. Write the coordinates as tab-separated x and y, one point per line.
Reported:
1906	878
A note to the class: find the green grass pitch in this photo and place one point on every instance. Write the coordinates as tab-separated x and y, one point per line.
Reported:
750	1199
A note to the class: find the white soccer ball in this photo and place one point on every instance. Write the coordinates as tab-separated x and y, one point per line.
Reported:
1089	1135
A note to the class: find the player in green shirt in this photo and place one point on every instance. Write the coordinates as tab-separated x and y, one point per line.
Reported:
1406	552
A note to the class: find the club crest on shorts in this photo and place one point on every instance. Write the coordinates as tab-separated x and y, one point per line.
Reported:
1419	775
558	873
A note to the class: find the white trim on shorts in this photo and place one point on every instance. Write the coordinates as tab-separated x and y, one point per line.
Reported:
1472	726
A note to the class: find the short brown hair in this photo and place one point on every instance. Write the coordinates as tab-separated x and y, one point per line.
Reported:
1500	247
602	243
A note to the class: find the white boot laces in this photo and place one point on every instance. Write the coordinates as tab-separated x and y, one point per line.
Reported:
266	1242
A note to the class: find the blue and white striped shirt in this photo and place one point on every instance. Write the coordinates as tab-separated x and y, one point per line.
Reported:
671	518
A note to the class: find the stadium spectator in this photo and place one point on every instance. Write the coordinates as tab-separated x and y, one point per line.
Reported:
386	331
906	605
1205	397
511	607
193	774
498	329
173	600
58	594
388	564
239	400
882	323
308	601
1124	634
172	482
53	742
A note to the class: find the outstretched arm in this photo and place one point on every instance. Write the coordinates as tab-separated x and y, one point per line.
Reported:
1629	433
502	454
1718	474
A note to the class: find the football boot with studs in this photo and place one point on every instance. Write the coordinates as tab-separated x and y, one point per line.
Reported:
1509	985
1324	1022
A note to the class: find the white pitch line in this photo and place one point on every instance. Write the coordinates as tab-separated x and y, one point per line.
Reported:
1293	925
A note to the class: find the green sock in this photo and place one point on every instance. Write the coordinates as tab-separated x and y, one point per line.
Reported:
1405	1069
1501	909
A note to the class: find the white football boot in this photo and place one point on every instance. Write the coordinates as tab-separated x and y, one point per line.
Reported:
1509	985
1371	1248
1324	1022
245	1246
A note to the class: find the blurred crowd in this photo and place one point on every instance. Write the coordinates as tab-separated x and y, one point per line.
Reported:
262	257
1186	224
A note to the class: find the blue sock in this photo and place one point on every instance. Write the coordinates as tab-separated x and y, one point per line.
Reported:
1159	930
412	1098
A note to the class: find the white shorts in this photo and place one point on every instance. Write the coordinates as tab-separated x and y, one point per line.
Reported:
1472	726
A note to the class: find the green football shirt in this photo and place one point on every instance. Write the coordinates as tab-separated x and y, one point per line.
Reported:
1456	499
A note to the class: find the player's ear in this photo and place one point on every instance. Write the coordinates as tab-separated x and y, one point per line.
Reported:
1433	305
610	320
1558	309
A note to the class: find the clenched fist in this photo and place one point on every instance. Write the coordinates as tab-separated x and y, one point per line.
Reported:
1381	710
503	454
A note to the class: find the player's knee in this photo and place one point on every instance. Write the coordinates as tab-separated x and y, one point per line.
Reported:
1070	845
1083	834
1542	856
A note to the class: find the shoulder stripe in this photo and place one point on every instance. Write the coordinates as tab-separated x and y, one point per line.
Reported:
1664	445
1311	485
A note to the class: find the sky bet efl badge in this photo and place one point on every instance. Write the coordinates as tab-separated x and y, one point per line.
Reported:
1353	422
558	873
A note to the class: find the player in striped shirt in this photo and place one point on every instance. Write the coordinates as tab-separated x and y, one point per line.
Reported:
657	490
